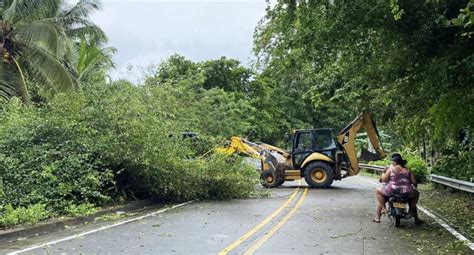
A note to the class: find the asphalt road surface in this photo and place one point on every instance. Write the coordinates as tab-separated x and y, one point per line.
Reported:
292	220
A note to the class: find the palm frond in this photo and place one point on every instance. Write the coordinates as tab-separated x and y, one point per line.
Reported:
92	56
77	22
90	30
9	81
71	56
49	69
108	54
25	11
82	9
46	34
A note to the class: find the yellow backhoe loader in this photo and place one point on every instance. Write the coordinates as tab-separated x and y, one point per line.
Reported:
315	155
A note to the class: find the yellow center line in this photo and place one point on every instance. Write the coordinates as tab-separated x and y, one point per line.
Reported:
260	225
272	231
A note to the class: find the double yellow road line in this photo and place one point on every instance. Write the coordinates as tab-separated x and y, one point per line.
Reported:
257	244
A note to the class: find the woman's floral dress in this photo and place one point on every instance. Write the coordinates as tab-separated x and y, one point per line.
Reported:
400	183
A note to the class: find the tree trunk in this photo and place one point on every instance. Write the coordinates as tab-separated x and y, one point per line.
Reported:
23	89
424	148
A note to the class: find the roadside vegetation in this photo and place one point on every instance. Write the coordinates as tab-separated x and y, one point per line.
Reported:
72	140
454	206
116	141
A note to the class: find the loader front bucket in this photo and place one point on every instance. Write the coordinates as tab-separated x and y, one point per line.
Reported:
367	156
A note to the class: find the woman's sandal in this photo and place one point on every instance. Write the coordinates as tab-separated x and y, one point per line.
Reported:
376	221
384	211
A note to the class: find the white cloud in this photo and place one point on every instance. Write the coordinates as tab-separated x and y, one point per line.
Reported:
148	31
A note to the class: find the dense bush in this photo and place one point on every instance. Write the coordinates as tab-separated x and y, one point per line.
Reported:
87	148
223	180
459	166
46	158
417	165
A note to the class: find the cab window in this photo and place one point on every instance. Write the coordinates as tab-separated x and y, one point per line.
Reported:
303	142
323	140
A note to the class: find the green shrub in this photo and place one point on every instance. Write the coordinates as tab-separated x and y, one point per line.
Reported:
81	210
459	166
224	179
10	216
46	159
417	165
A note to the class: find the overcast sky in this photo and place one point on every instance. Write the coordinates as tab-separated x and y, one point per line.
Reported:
148	31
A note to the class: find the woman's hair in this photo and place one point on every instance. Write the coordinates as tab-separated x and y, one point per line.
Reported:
397	158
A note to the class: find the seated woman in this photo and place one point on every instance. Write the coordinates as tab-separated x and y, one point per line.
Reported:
399	180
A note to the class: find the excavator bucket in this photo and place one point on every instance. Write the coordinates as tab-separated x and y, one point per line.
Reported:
367	156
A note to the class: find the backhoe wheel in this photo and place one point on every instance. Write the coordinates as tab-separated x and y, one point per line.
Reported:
319	175
269	180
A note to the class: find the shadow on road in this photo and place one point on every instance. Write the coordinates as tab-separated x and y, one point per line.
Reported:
332	188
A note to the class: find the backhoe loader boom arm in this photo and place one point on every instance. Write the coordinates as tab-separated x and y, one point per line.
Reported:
270	156
242	146
346	139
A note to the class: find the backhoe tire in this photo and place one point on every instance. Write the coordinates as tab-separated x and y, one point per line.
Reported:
269	180
319	175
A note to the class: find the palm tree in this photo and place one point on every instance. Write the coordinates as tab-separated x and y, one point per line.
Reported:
91	57
38	41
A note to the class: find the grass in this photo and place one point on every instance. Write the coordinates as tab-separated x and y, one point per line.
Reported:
454	206
10	216
431	238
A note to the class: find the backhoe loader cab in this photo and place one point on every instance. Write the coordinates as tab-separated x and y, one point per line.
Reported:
313	156
308	141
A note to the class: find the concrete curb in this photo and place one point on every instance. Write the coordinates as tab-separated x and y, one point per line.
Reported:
55	225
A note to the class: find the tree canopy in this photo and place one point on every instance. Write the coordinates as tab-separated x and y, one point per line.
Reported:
406	61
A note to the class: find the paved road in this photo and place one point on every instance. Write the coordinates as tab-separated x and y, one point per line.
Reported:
293	220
